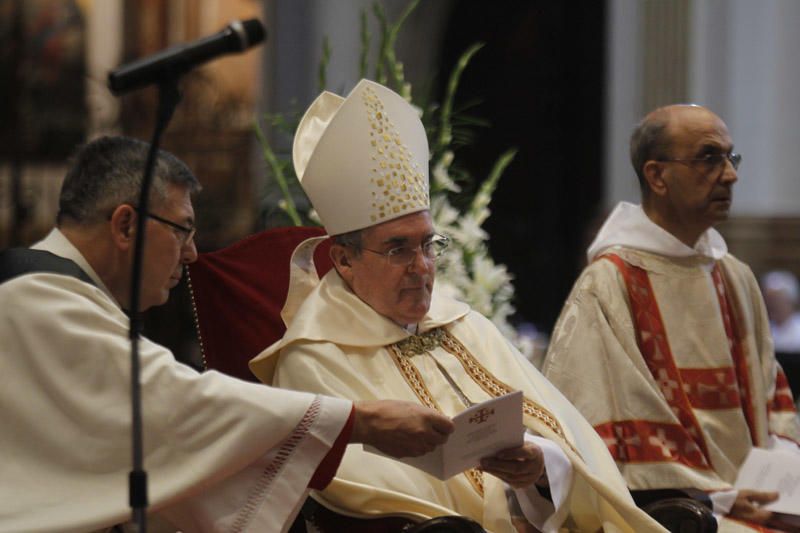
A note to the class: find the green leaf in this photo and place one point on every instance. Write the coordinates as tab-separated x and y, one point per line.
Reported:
445	126
487	188
377	9
363	63
278	174
322	72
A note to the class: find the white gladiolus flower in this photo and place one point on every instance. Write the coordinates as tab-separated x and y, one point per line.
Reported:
466	272
489	276
448	289
444	215
441	177
481	203
469	233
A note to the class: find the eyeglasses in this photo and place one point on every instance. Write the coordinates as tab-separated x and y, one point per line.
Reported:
711	160
404	255
184	233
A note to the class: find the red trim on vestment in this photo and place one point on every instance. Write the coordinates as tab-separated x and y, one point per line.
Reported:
327	468
737	352
652	339
782	400
642	441
711	388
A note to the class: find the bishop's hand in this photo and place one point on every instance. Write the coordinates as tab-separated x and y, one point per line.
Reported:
519	467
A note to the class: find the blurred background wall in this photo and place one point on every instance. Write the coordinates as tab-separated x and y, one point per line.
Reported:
738	58
564	82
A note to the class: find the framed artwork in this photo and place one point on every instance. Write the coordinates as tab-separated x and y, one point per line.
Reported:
43	71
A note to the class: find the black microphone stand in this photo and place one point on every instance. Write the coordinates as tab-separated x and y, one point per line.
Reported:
168	99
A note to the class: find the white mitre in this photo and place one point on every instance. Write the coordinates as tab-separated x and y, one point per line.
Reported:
362	160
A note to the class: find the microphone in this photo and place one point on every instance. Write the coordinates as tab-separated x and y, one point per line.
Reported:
176	60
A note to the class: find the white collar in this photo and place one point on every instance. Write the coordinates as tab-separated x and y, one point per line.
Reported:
628	225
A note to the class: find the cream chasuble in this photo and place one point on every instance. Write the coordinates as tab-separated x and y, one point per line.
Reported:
666	351
221	454
336	344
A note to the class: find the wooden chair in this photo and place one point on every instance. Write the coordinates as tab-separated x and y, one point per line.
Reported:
237	295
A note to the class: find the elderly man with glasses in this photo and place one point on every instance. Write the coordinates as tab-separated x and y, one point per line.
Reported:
222	454
375	327
664	343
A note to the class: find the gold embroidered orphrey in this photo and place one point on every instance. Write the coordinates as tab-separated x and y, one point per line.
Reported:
403	351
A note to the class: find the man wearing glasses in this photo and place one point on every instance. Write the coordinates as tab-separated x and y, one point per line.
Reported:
664	342
221	454
374	327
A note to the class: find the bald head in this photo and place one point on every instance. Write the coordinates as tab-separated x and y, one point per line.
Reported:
655	136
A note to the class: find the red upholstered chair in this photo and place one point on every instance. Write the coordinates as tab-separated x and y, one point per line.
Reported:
238	293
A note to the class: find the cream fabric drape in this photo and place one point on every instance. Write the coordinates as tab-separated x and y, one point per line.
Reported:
221	454
336	344
632	397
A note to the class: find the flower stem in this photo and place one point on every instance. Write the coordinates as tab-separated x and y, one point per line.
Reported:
277	172
445	128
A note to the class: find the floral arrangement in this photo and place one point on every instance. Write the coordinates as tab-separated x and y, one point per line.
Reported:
459	206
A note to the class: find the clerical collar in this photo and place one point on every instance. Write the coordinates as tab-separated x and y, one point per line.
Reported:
411	328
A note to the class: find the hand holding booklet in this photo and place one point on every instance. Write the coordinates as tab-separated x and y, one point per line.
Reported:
774	470
480	431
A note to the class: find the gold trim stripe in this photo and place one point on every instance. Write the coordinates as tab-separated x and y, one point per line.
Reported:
414	379
496	388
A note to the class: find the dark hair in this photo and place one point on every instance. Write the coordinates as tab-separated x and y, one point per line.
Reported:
649	141
351	239
108	172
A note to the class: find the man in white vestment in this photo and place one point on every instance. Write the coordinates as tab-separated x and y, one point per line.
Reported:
221	454
664	343
374	327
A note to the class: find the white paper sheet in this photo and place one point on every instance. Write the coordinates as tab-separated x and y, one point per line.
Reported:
773	470
480	431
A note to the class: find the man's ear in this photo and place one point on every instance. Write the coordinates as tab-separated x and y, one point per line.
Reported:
654	175
123	226
341	261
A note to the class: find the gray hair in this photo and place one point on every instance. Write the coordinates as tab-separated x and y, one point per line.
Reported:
649	141
108	172
351	239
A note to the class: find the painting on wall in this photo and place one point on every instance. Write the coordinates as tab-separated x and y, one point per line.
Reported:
43	68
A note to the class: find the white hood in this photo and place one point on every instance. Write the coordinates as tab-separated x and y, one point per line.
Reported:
629	226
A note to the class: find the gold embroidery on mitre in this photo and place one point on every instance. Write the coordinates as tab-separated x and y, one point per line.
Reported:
399	184
402	352
494	387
